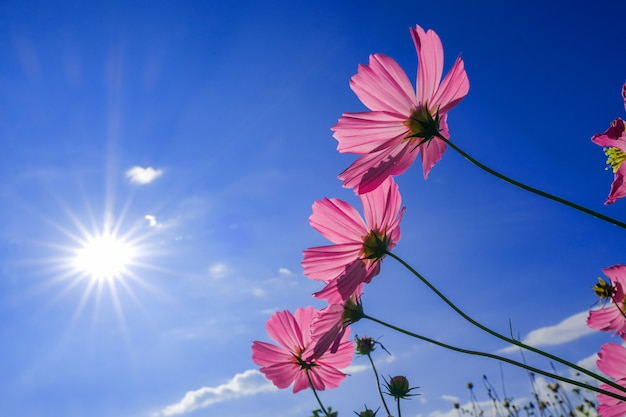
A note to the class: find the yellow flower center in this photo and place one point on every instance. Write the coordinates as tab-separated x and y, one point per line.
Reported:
615	157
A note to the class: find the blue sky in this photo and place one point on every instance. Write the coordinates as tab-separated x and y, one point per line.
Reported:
224	112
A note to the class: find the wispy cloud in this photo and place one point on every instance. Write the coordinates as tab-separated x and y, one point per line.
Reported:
218	270
141	176
572	328
247	383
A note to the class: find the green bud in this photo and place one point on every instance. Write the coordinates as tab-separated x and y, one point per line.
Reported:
398	387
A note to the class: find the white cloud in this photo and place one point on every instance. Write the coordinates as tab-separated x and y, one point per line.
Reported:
218	270
259	292
284	272
572	328
247	383
451	398
151	219
589	363
139	175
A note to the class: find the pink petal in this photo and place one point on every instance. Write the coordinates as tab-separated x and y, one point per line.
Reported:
614	137
368	131
607	319
430	62
381	206
337	221
323	263
342	358
452	89
433	150
371	169
283	328
283	374
618	186
383	85
612	360
266	354
617	275
344	286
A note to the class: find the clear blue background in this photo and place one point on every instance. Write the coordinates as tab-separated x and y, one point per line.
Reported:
234	103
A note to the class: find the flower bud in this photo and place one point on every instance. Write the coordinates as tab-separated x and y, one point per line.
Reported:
367	413
398	387
365	345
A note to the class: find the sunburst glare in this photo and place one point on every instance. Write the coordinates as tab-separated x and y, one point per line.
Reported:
104	257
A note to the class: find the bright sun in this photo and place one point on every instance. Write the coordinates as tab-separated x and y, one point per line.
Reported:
104	257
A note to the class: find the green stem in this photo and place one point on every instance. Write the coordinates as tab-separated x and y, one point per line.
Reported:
398	401
308	376
533	190
496	357
502	337
378	385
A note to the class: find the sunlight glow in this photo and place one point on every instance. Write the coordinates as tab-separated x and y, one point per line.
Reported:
104	257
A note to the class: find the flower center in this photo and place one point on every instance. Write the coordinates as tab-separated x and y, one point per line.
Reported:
615	157
375	245
422	126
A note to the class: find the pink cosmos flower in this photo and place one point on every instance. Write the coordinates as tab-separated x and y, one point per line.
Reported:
613	316
359	245
403	122
614	143
290	361
612	362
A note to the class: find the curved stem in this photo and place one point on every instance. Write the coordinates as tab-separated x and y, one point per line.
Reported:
499	358
308	376
532	189
502	337
378	385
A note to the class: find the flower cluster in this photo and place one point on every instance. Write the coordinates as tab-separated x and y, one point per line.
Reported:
402	123
312	346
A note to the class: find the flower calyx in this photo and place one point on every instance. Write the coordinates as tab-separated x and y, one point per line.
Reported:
422	125
375	245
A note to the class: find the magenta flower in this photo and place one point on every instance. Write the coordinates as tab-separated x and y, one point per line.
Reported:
614	143
612	362
291	361
403	122
359	245
613	316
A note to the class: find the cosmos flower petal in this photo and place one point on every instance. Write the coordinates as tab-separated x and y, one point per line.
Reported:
267	354
430	62
282	374
382	205
383	85
337	221
371	169
346	285
453	88
612	360
618	186
283	329
324	263
432	151
368	131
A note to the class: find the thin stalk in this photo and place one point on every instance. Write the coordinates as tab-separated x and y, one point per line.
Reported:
532	189
502	337
496	357
308	376
398	401
378	385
